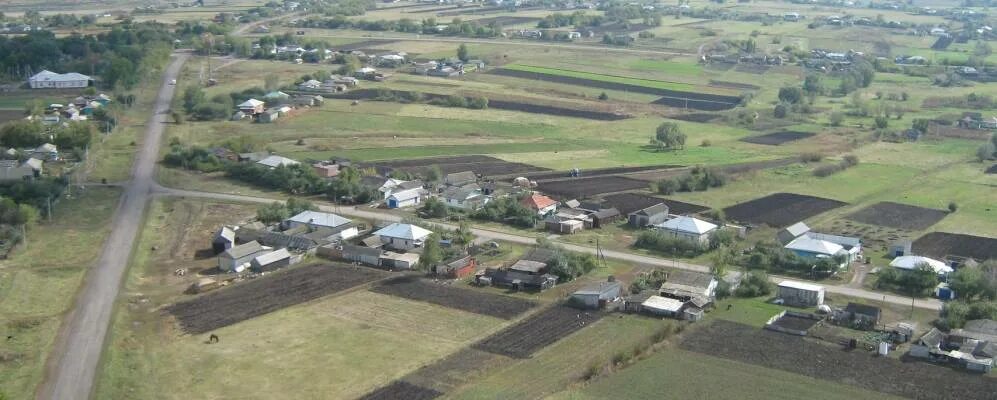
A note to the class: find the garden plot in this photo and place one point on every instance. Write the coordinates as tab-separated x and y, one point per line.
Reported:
498	104
538	331
263	295
581	188
402	390
778	138
734	85
600	171
366	44
630	202
671	92
780	209
752	68
481	165
917	380
445	295
941	244
896	215
696	117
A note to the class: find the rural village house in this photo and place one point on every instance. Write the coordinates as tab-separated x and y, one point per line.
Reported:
974	347
406	198
687	228
801	294
51	80
275	161
649	216
598	295
541	204
340	227
251	107
402	236
237	258
910	263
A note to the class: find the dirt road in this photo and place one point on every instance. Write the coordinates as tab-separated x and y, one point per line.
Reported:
73	363
373	215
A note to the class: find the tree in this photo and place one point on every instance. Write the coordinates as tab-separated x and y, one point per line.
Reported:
813	84
780	110
791	95
463	235
721	261
297	205
192	96
271	213
432	252
837	118
271	82
603	96
462	52
178	117
434	208
953	206
986	151
668	136
969	283
882	122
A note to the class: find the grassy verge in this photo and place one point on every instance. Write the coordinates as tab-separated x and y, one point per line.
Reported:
38	284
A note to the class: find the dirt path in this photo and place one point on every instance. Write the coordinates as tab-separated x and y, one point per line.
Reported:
74	359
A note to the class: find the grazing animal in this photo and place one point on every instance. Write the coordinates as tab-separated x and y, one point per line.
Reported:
213	338
729	306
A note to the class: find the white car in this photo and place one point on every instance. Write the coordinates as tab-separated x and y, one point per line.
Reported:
173	81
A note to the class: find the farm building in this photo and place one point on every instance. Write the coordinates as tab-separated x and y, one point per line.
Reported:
271	261
604	216
276	96
974	346
529	267
662	306
695	288
801	294
860	315
649	216
251	107
360	254
399	260
51	80
224	239
791	232
468	197
402	236
299	239
910	263
541	204
275	161
460	178
687	228
814	249
341	227
459	268
47	151
391	185
237	258
563	226
268	116
326	169
598	295
405	198
11	170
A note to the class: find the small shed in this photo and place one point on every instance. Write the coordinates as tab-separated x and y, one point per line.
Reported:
224	239
271	261
662	306
238	257
605	217
458	268
652	215
863	314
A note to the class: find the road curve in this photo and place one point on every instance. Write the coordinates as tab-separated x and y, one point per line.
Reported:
932	304
73	363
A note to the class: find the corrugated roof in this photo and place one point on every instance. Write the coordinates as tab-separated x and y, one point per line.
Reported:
687	225
528	266
811	245
406	194
911	262
538	201
243	250
319	218
275	161
403	231
663	304
272	257
801	286
660	208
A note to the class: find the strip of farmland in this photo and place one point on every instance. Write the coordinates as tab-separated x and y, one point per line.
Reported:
581	188
474	301
538	331
672	93
534	108
402	390
228	306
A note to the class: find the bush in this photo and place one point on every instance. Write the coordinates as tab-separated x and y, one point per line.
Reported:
192	158
837	118
706	143
755	284
780	111
811	157
953	206
827	170
603	96
882	122
666	186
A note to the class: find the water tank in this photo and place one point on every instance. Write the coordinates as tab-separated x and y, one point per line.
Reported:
884	348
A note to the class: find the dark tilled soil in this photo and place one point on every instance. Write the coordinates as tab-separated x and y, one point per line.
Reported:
588	173
695	117
941	244
780	209
481	165
896	215
226	306
538	331
630	202
366	44
912	379
581	188
10	115
445	295
693	104
734	85
778	138
752	68
506	20
694	98
795	323
455	370
497	104
401	390
992	169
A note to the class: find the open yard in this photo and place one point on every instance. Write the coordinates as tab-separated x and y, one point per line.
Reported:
780	209
795	354
227	306
446	295
896	215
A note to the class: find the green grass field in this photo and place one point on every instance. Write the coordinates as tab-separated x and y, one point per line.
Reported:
39	281
657	84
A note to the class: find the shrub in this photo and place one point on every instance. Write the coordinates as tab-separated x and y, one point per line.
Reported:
755	284
837	118
658	242
706	143
953	206
811	157
780	111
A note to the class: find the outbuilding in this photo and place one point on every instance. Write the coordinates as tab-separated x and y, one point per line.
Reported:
405	198
224	239
649	216
341	227
910	263
662	306
271	261
237	258
598	295
800	294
